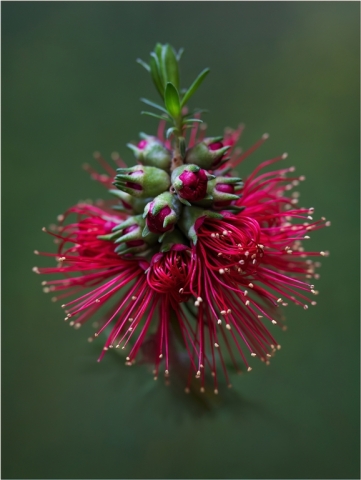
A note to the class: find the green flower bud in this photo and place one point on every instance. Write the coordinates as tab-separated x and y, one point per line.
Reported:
141	181
128	203
152	152
174	240
192	218
207	154
129	236
161	214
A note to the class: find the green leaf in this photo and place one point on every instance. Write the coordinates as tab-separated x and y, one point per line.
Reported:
158	51
170	131
171	99
154	105
195	85
194	120
151	114
179	54
169	66
143	64
155	73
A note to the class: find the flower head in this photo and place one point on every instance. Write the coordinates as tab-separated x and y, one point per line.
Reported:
187	257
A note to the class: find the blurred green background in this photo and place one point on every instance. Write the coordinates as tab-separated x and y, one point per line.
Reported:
70	85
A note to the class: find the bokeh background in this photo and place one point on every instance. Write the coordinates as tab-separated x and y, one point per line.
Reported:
70	85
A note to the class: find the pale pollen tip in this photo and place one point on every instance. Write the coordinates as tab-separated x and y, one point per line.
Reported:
215	391
219	321
265	136
253	354
228	327
250	285
127	359
161	355
274	322
249	369
284	156
247	303
202	390
216	345
105	348
36	252
43	229
260	316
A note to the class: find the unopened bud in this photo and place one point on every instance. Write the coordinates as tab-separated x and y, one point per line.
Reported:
151	152
190	183
162	213
208	153
141	181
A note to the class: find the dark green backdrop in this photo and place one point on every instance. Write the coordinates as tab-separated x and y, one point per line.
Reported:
70	85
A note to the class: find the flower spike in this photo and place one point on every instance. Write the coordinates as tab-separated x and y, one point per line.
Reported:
193	264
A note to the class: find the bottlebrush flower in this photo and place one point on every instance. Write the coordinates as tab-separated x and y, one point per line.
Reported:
206	278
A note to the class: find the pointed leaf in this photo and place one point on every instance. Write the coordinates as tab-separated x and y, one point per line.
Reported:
194	120
158	51
155	73
169	66
154	105
195	85
143	64
171	99
151	114
180	53
170	131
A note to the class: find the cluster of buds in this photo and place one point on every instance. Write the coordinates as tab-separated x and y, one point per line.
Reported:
168	194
